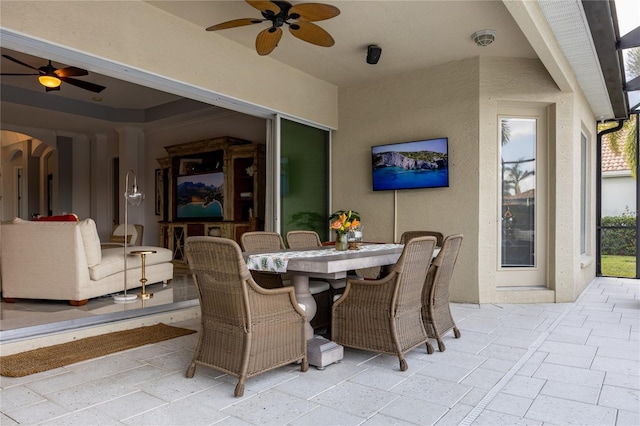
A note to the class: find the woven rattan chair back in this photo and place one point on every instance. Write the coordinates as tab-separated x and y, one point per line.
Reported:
436	310
303	239
261	240
264	241
385	315
245	329
406	236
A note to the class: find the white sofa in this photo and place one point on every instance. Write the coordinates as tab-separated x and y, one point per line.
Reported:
65	261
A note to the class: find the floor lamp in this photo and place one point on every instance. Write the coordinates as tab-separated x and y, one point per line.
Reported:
134	197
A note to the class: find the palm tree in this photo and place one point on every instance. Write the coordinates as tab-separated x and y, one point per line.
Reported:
505	131
517	175
624	140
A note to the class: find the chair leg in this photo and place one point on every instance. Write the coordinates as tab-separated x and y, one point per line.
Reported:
441	347
429	348
403	363
456	332
305	365
191	370
239	387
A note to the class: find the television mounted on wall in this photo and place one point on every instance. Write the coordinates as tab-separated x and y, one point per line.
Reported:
200	196
411	165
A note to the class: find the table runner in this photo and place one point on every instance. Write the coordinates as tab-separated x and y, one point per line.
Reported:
277	261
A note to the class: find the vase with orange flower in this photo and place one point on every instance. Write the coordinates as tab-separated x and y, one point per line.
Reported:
342	222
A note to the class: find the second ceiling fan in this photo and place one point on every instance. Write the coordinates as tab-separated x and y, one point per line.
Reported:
280	13
51	77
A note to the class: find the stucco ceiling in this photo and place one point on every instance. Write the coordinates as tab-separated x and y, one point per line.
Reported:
412	34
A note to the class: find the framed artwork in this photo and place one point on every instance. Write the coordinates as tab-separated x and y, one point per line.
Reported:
159	192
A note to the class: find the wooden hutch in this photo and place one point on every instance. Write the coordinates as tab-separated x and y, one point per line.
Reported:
242	164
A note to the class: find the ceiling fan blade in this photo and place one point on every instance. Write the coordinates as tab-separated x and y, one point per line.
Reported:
267	40
13	73
265	6
235	23
83	84
313	11
311	33
20	62
70	72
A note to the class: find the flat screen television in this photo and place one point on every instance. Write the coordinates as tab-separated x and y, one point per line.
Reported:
200	196
410	165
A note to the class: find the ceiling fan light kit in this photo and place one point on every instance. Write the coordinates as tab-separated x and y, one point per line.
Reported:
279	13
50	81
484	37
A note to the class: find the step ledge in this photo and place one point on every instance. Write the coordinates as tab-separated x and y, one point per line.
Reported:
523	288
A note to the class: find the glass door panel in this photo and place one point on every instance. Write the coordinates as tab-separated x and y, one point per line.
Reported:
522	190
304	178
518	185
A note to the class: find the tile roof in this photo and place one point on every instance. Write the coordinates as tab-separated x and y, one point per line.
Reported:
610	161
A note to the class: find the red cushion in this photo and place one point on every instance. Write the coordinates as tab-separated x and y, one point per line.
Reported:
62	218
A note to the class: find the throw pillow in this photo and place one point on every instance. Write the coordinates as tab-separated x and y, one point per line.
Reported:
62	218
120	239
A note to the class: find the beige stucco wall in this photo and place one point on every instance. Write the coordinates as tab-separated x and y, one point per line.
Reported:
527	83
460	100
139	35
438	102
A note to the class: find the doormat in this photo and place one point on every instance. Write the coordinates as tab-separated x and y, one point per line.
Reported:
50	357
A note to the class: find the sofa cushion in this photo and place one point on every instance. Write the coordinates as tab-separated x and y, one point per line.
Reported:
91	242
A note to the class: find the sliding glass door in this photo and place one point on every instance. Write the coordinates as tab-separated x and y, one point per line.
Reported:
304	178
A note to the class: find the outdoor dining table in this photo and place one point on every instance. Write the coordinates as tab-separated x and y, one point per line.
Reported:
327	263
321	262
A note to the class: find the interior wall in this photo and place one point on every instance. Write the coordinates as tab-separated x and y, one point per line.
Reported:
441	101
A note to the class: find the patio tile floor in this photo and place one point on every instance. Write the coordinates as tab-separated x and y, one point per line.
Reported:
542	364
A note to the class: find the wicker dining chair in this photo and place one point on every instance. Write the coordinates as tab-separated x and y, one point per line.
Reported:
436	312
246	330
319	289
407	235
385	315
303	239
263	241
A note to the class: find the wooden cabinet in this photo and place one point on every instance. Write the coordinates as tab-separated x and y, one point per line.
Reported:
239	168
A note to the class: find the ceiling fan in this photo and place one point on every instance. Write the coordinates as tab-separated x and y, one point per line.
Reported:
280	13
51	77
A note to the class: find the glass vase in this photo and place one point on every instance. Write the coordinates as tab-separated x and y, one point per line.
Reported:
341	242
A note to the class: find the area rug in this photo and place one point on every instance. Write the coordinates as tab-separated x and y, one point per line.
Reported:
50	357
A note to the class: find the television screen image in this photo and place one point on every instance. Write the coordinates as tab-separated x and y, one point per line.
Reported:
200	196
410	165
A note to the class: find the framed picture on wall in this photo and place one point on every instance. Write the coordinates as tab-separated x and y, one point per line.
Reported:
159	192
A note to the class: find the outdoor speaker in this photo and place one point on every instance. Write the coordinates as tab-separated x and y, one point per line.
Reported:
373	54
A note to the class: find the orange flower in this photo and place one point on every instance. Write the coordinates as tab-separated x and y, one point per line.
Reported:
343	222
